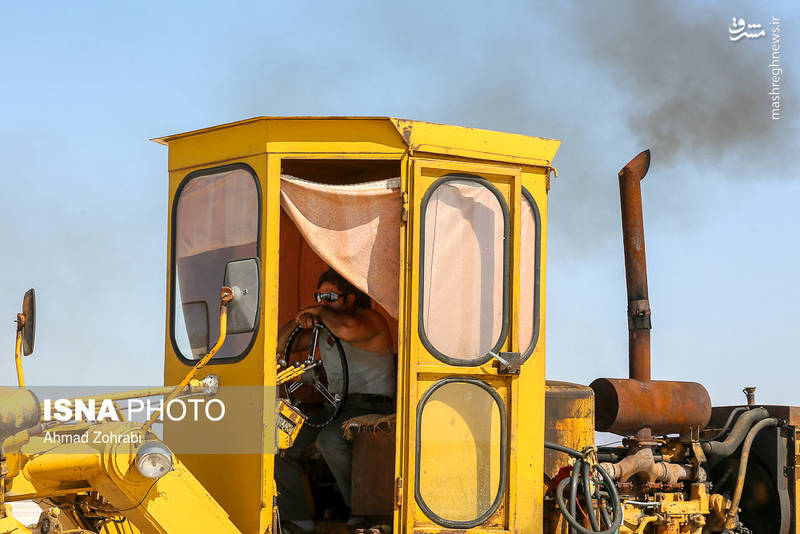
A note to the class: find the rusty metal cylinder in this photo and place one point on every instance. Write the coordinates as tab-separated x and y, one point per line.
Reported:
624	406
630	194
568	420
19	410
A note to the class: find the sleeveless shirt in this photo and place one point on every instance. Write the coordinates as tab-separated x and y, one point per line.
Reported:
368	371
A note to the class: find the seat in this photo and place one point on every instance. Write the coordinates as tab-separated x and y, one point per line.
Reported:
372	483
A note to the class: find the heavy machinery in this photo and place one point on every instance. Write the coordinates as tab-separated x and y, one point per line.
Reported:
445	229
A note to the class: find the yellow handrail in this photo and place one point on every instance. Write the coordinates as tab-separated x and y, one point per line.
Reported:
18	350
225	296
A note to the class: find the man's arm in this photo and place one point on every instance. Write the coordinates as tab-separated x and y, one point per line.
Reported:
301	342
353	328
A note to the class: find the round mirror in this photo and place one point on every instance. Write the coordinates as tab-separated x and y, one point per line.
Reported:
29	328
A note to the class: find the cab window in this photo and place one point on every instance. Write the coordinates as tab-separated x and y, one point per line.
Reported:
216	218
460	422
529	271
464	264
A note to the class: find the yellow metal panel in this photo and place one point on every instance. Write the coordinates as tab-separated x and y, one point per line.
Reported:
236	481
211	148
333	136
10	525
523	395
475	143
337	135
530	390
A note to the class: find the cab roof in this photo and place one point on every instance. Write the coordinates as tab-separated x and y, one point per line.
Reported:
416	136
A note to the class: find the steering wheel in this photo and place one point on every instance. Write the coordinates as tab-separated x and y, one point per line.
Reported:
316	377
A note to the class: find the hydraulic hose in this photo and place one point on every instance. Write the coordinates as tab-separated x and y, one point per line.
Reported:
573	494
581	471
721	449
728	423
737	494
587	496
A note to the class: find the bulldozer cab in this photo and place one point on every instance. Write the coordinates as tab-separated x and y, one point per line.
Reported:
444	229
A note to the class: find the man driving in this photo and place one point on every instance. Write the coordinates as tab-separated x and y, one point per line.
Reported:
367	343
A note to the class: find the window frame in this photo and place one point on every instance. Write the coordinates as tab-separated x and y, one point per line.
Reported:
506	275
537	262
173	260
503	478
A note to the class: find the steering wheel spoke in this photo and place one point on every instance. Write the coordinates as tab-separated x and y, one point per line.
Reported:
293	386
316	376
325	393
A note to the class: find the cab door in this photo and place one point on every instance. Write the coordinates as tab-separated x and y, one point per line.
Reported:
459	441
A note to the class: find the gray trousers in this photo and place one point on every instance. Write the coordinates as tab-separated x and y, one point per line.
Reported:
334	449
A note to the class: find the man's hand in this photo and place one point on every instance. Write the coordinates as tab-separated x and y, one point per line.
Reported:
308	316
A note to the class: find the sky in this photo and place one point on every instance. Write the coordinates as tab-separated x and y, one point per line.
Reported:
84	193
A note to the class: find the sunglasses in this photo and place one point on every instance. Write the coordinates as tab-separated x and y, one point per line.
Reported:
330	296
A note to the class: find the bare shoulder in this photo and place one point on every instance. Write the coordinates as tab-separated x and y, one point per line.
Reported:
375	319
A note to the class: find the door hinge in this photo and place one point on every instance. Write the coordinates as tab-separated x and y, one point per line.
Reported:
404	207
398	492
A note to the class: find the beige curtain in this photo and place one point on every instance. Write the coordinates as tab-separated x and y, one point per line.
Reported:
354	228
217	211
463	280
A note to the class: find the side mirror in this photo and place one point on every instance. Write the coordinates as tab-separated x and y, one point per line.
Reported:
29	326
242	277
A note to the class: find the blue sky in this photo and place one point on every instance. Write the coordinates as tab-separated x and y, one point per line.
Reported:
84	203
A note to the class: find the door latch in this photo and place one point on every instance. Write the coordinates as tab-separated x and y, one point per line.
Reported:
507	363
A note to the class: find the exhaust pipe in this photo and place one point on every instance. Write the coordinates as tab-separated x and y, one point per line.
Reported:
639	405
630	197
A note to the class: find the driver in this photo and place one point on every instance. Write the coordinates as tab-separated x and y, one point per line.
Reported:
367	344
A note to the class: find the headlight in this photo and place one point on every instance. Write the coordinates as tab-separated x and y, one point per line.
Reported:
154	459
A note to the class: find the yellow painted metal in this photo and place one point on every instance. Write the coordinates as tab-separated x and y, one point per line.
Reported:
226	295
235	480
673	515
18	358
523	395
288	423
474	143
290	373
159	506
336	136
8	524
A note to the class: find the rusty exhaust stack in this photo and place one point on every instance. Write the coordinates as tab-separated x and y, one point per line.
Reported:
638	405
630	197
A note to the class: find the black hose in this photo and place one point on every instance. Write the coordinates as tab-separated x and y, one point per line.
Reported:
568	510
721	449
573	493
748	442
603	511
587	497
727	424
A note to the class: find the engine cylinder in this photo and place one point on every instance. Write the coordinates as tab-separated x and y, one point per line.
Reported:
569	420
